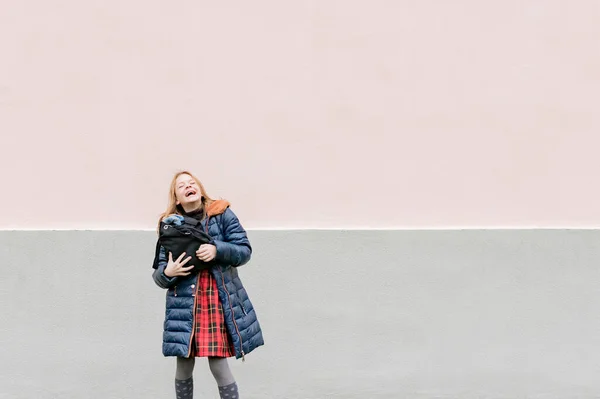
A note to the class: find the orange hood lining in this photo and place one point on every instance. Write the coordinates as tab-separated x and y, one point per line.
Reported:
217	207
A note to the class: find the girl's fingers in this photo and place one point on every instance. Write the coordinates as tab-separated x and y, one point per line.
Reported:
180	257
185	261
185	269
170	257
201	253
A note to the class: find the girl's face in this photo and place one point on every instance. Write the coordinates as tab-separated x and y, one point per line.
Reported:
187	191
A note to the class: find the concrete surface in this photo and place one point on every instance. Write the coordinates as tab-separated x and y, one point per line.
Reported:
345	314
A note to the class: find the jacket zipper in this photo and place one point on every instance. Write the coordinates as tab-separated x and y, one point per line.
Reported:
195	304
229	300
194	315
233	317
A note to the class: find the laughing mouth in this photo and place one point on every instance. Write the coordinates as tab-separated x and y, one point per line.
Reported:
192	192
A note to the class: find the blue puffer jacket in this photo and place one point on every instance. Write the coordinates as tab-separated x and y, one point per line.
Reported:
233	250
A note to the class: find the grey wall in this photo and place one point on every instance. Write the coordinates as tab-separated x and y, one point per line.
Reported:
345	314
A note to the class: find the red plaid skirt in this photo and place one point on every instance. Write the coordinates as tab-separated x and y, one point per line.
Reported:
210	333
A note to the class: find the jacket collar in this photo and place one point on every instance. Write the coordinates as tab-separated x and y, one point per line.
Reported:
217	207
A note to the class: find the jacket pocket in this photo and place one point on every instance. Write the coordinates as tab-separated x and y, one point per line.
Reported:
241	303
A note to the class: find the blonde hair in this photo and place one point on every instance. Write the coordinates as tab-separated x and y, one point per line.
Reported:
172	207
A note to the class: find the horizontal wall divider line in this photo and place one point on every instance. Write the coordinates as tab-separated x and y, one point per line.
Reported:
275	229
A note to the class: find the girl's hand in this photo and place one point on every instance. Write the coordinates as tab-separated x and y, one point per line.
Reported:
206	252
175	268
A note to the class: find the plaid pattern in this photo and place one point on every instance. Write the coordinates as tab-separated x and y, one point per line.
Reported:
210	334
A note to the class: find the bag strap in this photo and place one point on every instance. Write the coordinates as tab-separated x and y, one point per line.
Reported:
190	221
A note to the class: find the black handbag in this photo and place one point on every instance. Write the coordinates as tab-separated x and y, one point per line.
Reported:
185	237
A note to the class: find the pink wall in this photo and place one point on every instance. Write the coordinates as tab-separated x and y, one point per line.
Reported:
303	114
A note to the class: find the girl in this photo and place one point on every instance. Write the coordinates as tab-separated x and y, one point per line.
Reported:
208	313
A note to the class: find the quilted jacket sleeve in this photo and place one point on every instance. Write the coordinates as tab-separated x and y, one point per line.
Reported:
234	249
159	273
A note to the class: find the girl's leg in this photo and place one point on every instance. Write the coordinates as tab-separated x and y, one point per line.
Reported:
220	370
184	382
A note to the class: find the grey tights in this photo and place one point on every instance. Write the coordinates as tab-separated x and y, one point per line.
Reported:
218	367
